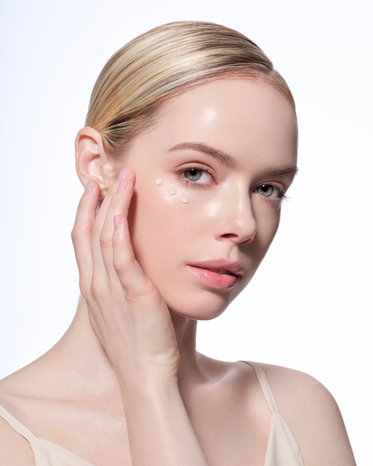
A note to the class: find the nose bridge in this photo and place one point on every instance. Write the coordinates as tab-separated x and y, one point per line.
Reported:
237	220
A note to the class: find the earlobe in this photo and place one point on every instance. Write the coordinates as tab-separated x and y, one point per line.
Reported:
91	160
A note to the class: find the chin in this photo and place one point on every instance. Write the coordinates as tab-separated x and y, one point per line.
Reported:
202	305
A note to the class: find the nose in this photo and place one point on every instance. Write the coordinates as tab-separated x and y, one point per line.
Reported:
237	221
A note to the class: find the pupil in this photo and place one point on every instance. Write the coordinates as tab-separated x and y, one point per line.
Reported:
266	190
193	174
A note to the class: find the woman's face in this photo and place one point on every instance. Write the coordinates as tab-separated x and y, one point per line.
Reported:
210	177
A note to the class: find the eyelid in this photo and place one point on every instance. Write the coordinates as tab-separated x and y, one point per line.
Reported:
195	164
276	184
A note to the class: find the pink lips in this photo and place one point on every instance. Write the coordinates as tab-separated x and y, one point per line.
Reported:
218	274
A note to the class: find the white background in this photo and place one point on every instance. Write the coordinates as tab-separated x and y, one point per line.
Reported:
309	306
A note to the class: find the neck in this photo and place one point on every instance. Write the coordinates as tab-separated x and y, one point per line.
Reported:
80	351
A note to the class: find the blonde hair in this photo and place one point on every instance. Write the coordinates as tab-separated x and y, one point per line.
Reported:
165	61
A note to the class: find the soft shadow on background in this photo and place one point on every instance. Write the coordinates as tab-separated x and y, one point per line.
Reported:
309	307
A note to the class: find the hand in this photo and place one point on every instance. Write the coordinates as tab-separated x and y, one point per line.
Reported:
126	310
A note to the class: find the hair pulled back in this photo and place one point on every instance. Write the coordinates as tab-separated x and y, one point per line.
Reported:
165	61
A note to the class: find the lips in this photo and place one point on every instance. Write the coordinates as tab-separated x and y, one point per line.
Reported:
220	271
217	274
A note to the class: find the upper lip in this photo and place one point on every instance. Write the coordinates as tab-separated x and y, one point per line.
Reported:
233	267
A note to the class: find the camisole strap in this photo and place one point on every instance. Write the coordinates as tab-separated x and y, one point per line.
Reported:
264	384
17	426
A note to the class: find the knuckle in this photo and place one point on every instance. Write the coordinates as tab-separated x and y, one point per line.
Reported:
148	296
97	288
81	283
77	233
122	263
105	239
84	286
96	229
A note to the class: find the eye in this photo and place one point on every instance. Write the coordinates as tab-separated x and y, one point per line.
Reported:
268	190
196	174
193	174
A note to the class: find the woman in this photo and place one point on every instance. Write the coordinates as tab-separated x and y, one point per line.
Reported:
190	141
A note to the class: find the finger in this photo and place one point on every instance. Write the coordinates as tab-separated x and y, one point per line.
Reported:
128	270
119	204
125	173
99	268
82	231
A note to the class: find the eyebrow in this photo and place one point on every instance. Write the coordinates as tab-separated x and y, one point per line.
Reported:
227	159
284	171
219	155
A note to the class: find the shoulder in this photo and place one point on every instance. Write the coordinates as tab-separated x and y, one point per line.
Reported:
312	415
14	449
297	392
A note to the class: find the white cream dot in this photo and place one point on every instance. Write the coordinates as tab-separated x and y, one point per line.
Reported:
172	192
158	182
184	200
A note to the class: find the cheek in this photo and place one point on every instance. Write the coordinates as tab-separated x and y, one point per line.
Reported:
269	222
267	219
161	223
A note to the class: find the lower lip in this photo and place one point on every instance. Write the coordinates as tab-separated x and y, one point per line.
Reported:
219	281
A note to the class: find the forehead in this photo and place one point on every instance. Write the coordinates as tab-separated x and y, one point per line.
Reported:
239	116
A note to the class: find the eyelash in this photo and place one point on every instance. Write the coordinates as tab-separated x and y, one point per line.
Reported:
181	176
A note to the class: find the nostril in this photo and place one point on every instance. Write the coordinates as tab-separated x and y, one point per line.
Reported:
240	240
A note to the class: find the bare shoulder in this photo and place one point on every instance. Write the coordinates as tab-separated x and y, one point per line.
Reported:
14	449
312	415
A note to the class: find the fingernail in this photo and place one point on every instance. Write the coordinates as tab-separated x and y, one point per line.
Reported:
117	221
89	186
122	184
124	173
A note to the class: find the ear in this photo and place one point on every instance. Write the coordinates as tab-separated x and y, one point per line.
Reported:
91	160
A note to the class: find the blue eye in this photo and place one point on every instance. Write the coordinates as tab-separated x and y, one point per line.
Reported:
267	190
193	174
196	177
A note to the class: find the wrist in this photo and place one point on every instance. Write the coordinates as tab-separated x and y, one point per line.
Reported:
151	392
145	382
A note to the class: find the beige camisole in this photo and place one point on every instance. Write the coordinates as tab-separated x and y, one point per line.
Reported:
282	449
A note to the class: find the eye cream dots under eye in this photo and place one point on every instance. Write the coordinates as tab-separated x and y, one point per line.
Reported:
171	191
